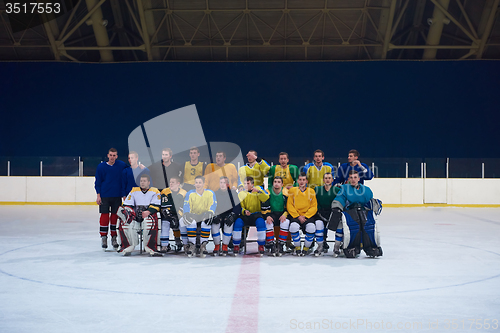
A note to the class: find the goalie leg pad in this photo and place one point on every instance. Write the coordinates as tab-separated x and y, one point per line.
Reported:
352	230
150	233
371	237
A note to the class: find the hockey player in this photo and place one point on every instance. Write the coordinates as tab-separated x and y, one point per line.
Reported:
256	168
354	210
192	169
108	182
132	174
302	207
277	217
354	164
139	212
315	171
214	171
228	209
250	199
199	207
324	195
172	202
161	172
288	172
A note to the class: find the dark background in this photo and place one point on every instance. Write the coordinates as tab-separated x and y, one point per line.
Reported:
383	109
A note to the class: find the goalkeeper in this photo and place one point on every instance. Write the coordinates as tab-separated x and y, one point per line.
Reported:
141	205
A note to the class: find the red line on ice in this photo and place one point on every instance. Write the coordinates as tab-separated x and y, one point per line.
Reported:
244	315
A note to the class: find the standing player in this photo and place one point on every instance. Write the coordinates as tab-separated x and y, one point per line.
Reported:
132	174
256	168
108	182
199	207
192	169
213	172
161	172
363	170
277	223
302	207
315	171
251	200
325	195
288	172
172	202
141	205
356	222
227	211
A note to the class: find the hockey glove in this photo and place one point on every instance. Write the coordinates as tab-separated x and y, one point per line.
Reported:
174	222
165	214
230	219
208	217
188	218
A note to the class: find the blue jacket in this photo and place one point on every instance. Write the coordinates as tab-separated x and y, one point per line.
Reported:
343	173
108	179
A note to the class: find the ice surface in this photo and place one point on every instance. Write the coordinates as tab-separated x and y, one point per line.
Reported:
439	264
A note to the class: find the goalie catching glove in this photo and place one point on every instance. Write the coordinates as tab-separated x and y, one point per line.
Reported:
126	214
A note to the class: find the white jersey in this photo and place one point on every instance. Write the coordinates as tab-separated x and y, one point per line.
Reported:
137	197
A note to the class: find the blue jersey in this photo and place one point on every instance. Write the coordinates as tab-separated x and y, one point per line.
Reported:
349	195
343	173
131	178
108	179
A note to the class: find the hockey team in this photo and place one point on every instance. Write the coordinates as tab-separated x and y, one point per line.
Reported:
293	215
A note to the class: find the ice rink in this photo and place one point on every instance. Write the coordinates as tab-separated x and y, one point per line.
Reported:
440	272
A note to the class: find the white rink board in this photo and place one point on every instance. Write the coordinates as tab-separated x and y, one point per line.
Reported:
399	191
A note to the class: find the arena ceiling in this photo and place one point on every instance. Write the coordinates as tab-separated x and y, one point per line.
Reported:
253	30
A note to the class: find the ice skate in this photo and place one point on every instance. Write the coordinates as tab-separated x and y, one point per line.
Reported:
114	242
203	249
319	250
104	242
261	250
216	252
224	250
236	250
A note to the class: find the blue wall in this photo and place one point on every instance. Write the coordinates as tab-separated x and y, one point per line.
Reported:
383	109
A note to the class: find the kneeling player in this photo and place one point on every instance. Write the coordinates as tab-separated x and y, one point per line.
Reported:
139	212
251	200
354	209
302	207
199	208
